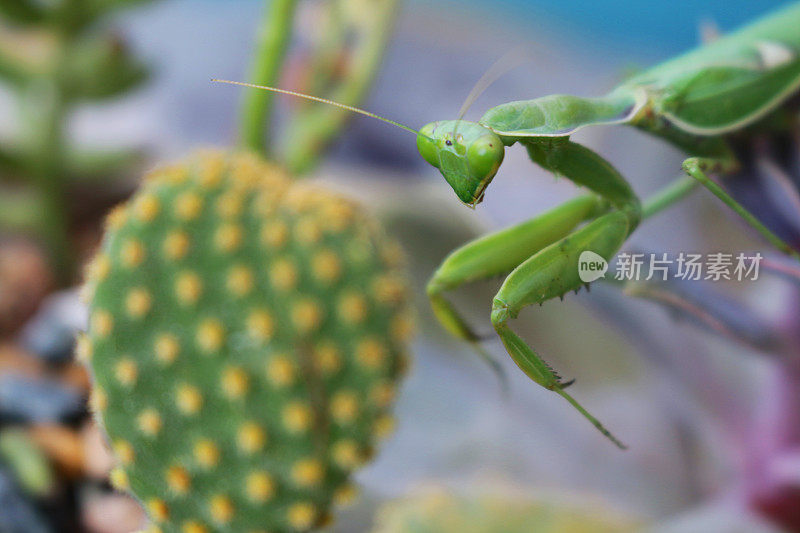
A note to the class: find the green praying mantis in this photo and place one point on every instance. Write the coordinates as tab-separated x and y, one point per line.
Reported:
695	102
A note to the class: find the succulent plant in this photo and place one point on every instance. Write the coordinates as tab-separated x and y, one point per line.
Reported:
54	58
247	336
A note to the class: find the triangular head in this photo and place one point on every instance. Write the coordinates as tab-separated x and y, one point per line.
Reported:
467	154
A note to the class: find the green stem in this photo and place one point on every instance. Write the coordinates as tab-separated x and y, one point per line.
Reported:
668	196
273	40
47	113
311	131
328	51
49	179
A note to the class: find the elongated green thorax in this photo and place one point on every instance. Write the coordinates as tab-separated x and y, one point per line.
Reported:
561	115
467	154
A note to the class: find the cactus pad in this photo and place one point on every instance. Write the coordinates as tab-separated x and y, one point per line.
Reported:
247	335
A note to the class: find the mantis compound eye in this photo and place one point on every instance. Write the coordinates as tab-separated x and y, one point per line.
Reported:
485	155
427	144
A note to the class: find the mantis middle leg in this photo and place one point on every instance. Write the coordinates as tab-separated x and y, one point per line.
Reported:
697	167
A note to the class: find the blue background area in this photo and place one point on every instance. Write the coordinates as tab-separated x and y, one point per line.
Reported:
652	27
662	27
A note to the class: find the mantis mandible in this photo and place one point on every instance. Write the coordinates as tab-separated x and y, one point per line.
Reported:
695	102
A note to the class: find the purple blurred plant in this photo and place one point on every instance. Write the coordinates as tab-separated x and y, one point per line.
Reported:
768	185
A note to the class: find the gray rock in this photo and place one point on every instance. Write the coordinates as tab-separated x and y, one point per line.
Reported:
50	334
19	514
38	400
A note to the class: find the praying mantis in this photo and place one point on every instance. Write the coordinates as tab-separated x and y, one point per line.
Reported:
696	102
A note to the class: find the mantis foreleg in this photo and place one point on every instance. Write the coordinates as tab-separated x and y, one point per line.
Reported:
542	254
587	169
696	167
498	254
552	272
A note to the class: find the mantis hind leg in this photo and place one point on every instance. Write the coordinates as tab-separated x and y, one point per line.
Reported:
498	254
549	273
697	167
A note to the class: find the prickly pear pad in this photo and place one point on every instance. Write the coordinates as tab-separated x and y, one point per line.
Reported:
247	334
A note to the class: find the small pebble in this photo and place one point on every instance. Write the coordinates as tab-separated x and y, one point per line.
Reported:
77	376
15	360
98	459
18	515
63	446
50	334
112	513
25	279
38	400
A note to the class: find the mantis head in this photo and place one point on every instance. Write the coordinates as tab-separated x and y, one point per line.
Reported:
466	153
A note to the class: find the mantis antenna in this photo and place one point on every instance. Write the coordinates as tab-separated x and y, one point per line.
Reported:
323	101
508	61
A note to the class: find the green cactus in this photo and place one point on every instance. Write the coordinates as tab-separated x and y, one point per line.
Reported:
247	335
440	511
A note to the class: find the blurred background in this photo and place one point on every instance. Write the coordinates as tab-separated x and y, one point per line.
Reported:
706	395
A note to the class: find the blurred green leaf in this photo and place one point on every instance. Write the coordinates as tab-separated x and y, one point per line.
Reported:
13	71
30	465
99	8
12	163
80	165
78	16
102	68
21	11
19	210
90	165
